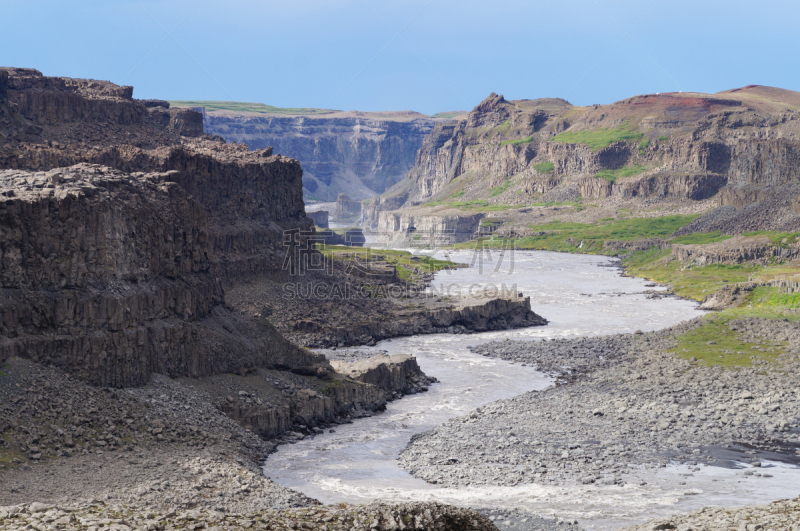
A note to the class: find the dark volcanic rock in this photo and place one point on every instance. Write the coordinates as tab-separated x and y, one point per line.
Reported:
115	271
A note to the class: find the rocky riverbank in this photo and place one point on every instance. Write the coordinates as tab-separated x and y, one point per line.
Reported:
783	515
621	402
171	453
377	516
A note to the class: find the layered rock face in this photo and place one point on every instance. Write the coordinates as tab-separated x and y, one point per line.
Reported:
742	143
359	154
121	222
109	276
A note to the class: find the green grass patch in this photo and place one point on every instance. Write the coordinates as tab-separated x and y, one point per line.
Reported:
239	106
663	138
598	138
644	144
773	297
490	132
621	229
544	167
627	171
517	142
497	190
694	282
777	238
458	194
490	222
577	204
714	344
590	237
700	238
697	282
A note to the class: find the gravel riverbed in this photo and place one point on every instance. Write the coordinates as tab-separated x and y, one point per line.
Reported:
621	402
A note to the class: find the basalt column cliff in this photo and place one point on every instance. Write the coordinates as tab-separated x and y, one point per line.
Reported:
120	222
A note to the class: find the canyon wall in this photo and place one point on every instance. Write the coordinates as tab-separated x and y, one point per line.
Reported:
358	154
678	146
120	224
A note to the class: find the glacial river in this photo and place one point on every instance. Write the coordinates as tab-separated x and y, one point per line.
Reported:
580	295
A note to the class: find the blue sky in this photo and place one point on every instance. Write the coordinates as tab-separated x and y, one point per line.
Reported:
422	55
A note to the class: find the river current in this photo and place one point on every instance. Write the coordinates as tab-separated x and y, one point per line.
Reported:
580	295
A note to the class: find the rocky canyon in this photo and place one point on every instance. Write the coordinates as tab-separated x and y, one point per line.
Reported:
359	154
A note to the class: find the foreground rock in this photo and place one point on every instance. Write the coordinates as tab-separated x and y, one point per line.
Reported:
783	515
623	401
171	445
383	517
165	443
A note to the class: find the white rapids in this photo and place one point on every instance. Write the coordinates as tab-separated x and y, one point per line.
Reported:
580	295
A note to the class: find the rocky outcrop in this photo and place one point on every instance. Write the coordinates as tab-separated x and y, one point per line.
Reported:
470	314
413	516
397	375
372	208
254	409
319	218
56	101
111	278
482	312
346	209
359	154
695	187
